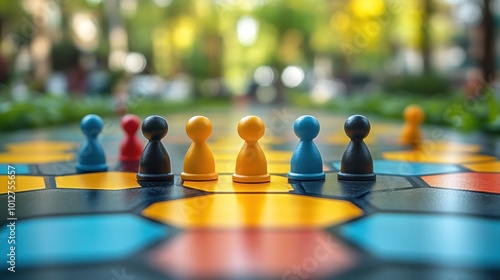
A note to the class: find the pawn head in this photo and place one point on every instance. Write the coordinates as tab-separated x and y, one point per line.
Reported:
130	123
251	128
306	127
91	125
199	128
357	127
414	114
154	128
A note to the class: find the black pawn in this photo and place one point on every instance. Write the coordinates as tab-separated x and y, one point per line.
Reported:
357	162
154	164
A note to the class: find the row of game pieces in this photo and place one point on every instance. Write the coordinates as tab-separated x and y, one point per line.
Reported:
251	164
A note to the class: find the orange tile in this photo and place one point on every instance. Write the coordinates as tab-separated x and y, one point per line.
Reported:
267	254
481	182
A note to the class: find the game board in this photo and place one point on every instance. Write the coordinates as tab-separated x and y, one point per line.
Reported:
433	213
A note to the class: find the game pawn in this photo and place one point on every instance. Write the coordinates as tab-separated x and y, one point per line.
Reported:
306	163
411	134
131	146
357	162
199	164
251	163
154	164
91	157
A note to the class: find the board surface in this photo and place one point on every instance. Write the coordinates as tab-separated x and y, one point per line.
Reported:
433	213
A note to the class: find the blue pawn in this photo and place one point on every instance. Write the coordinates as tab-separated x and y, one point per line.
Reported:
91	157
306	163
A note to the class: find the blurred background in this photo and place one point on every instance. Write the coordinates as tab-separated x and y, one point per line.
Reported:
62	59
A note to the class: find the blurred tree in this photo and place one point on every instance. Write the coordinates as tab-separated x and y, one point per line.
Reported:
293	22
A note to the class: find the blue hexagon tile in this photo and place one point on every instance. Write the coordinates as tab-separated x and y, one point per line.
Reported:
404	168
79	239
436	239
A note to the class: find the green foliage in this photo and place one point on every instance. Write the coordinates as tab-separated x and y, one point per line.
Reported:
474	113
425	85
47	110
453	110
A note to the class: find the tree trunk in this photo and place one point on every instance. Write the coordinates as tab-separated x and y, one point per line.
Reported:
425	41
487	62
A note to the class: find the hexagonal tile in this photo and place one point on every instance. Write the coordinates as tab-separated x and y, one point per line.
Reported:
269	254
489	166
22	184
226	184
253	211
75	201
41	146
58	168
332	187
20	169
405	168
432	146
34	158
482	182
435	157
435	239
425	200
80	239
98	181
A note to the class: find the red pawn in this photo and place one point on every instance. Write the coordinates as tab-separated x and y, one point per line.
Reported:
131	147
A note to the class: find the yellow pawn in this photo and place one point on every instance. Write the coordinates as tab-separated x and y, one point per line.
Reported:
251	163
199	164
411	135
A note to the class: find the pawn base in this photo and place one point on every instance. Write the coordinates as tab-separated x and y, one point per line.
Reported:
91	168
306	177
356	177
199	177
155	177
265	178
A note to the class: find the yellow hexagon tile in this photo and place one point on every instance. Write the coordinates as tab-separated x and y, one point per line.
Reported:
98	181
429	146
40	146
35	158
276	211
22	184
489	166
436	157
226	184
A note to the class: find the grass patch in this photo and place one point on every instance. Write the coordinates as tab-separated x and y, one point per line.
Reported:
47	110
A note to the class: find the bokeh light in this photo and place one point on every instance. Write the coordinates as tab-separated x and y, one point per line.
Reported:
292	76
247	30
264	76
